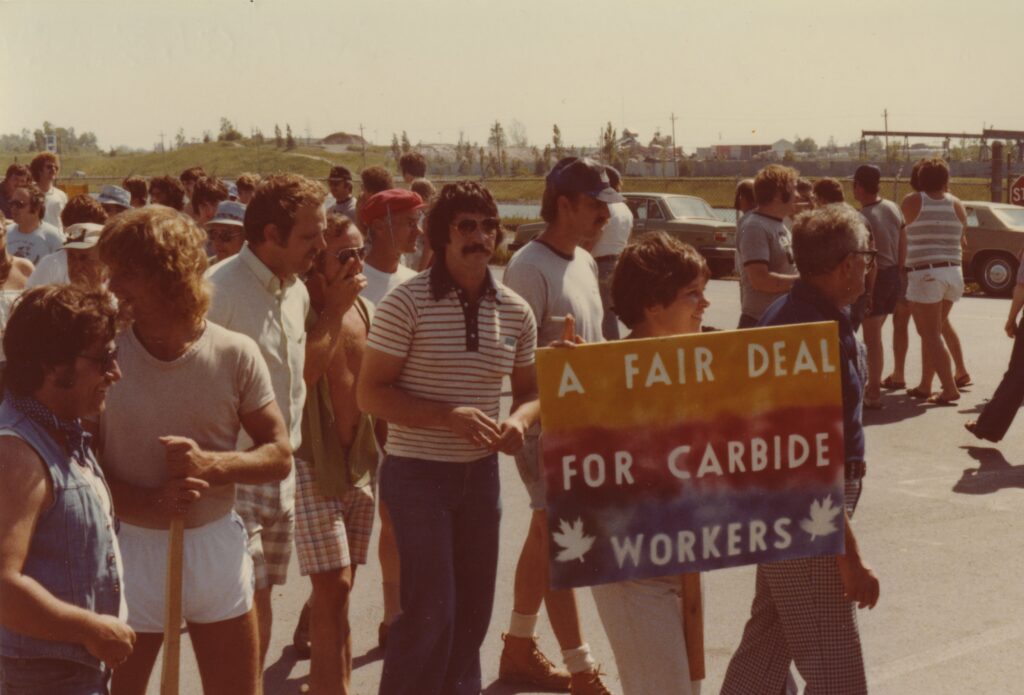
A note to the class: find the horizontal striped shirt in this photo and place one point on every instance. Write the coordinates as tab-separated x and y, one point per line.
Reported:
452	355
934	236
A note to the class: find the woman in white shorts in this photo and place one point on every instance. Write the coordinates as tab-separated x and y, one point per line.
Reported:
935	237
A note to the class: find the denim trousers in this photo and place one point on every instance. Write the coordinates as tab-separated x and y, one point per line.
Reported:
51	677
999	412
446	517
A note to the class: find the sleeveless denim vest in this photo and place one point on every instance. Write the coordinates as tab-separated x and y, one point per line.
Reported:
72	549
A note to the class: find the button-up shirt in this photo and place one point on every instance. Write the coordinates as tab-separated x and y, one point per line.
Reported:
250	299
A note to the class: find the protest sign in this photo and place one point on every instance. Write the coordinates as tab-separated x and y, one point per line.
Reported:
691	453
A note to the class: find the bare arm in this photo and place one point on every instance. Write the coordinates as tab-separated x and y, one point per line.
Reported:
322	339
378	395
911	207
860	584
961	214
524	412
26	606
268	460
763	280
901	253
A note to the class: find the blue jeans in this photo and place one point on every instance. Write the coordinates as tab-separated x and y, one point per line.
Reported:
51	677
446	517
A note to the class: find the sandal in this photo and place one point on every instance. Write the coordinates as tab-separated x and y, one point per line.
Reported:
937	399
918	393
875	404
891	384
962	381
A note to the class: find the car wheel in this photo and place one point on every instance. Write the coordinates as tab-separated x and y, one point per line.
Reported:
996	274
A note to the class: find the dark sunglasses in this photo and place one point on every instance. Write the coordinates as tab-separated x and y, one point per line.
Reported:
489	225
223	236
106	362
344	255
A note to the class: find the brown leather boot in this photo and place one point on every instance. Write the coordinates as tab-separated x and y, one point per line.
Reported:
588	683
522	663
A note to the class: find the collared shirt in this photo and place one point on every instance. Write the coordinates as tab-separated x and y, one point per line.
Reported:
455	351
804	304
250	299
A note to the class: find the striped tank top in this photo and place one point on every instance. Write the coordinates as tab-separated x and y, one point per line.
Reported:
934	237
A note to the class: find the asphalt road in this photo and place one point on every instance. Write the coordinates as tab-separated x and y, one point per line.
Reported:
939	521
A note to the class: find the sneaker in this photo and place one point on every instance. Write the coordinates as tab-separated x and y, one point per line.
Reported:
588	683
300	638
522	663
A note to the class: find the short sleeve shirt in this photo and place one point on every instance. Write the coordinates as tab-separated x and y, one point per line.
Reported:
884	220
764	240
40	242
452	355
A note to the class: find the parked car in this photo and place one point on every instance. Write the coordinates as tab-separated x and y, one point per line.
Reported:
686	217
995	238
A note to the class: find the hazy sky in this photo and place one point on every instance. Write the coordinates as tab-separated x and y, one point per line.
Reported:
733	72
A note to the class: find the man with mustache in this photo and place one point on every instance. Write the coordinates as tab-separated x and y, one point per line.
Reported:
557	278
439	348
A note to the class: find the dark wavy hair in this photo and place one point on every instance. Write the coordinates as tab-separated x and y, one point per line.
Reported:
83	208
277	199
933	175
460	196
650	272
49	327
169	190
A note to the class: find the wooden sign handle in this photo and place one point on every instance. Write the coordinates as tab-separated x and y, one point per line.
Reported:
172	610
693	624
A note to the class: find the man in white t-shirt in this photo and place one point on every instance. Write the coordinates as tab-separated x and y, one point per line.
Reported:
557	278
79	261
30	237
45	167
391	222
170	433
606	250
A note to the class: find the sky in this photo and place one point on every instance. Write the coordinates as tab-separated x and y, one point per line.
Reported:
731	72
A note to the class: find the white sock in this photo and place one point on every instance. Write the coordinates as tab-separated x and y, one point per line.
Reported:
524	626
578	660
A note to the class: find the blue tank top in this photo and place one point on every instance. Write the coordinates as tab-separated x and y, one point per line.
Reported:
72	553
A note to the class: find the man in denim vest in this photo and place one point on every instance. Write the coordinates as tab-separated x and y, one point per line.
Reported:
62	611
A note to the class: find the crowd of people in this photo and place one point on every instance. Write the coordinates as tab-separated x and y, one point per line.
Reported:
279	369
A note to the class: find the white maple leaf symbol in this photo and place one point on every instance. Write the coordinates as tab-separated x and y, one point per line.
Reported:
821	518
572	540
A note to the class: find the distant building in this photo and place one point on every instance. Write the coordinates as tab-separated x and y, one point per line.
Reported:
780	147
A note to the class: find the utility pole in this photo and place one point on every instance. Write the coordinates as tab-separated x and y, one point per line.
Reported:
162	142
885	115
363	140
675	165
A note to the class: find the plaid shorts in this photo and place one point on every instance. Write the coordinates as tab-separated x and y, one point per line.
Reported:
268	512
330	532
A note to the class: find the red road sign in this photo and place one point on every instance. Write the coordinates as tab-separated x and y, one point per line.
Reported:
1017	191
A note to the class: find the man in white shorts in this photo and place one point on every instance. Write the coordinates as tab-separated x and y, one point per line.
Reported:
169	435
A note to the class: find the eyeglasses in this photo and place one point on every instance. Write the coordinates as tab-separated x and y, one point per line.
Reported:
223	236
344	255
871	256
106	362
489	225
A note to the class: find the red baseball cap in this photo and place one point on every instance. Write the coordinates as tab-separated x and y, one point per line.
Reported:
391	201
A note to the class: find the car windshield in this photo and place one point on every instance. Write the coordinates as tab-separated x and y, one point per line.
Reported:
683	206
1013	217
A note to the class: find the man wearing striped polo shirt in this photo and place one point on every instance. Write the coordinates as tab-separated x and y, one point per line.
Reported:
438	349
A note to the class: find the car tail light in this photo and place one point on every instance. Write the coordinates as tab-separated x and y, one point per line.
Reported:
721	236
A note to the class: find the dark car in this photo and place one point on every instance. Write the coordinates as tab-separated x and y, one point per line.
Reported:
995	238
686	217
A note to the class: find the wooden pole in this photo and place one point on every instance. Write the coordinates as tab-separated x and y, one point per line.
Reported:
172	610
693	624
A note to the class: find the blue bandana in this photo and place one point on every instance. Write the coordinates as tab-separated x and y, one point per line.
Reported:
75	437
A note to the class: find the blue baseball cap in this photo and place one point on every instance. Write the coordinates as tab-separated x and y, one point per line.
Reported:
583	175
114	195
229	212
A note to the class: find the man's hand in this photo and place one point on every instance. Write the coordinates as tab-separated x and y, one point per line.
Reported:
569	338
860	584
474	426
511	434
1011	327
174	498
110	640
184	458
341	292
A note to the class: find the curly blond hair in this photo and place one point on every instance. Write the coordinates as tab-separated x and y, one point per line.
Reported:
167	249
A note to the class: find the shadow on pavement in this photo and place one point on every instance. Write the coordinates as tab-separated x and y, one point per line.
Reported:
897	406
993	473
276	678
499	688
375	654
